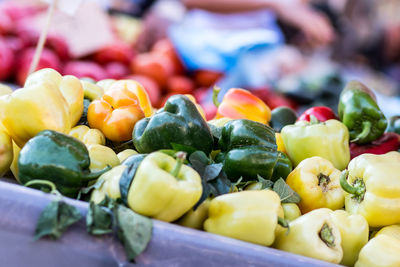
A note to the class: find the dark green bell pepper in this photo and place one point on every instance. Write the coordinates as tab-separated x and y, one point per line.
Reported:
394	125
248	149
58	158
282	116
360	113
282	168
179	122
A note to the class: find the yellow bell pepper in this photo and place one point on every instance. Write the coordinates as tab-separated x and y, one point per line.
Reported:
14	164
69	86
312	235
105	84
109	186
195	218
5	90
32	109
88	136
373	188
250	216
101	156
316	180
91	91
279	143
123	155
354	231
382	250
6	152
291	211
219	122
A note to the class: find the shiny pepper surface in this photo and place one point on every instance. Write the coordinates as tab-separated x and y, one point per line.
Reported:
88	136
316	180
115	114
373	188
312	235
6	152
250	216
242	104
329	140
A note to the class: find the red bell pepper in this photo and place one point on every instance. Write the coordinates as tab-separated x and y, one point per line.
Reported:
321	113
384	144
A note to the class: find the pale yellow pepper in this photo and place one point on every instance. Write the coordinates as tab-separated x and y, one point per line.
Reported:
105	84
5	90
101	156
6	152
123	155
196	218
92	91
88	136
109	186
14	164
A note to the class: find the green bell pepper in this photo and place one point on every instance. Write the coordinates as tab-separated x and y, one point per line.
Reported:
360	113
394	125
179	122
282	116
282	168
248	149
58	158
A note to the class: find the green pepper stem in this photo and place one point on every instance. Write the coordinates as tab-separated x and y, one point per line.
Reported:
180	158
95	175
327	236
283	222
53	188
366	129
345	185
216	91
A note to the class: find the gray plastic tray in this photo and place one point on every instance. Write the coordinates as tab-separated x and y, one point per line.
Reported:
171	245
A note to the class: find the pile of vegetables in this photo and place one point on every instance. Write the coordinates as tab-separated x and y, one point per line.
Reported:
318	185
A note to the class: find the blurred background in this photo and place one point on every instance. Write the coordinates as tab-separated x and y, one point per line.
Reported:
296	53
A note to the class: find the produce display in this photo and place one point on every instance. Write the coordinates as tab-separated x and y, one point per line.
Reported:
319	184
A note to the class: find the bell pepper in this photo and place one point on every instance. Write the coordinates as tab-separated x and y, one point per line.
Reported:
248	149
250	216
312	235
282	167
109	186
394	125
101	157
354	231
44	108
372	183
382	250
14	164
5	90
321	113
123	155
177	122
58	158
291	211
6	152
360	113
384	144
91	91
282	116
88	136
329	140
196	218
139	91
69	86
105	84
115	114
199	108
163	188
279	143
316	180
241	104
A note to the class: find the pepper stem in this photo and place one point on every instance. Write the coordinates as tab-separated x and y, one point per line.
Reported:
53	188
326	235
94	175
216	91
345	185
180	158
366	125
283	222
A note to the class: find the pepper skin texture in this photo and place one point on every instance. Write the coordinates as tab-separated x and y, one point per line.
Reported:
316	181
312	235
242	104
329	140
360	113
91	91
177	122
163	188
196	218
250	216
291	211
354	231
373	188
282	116
321	113
101	157
123	155
88	136
115	114
110	186
6	151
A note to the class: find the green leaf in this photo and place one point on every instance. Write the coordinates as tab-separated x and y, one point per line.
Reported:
212	171
86	190
99	220
199	161
134	231
185	148
286	193
55	219
265	183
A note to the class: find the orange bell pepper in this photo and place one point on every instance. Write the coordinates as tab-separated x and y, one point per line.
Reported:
139	91
241	104
115	114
